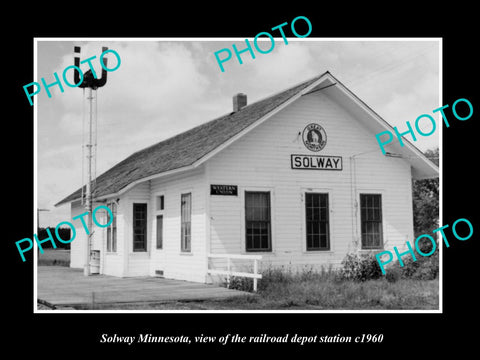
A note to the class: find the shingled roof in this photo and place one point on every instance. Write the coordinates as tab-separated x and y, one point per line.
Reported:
186	148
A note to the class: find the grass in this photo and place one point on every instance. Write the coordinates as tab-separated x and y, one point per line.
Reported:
346	295
350	295
326	290
54	257
308	290
283	289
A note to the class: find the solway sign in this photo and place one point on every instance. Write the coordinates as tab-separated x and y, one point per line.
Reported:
316	162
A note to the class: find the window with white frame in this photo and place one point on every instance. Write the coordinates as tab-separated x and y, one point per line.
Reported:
159	208
258	235
160	202
317	221
371	221
112	228
139	227
186	222
159	221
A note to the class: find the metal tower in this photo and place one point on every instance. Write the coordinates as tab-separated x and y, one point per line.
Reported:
89	142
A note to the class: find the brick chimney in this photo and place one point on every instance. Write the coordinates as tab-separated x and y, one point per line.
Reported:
239	101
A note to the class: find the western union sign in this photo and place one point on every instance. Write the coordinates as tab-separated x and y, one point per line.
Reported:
316	162
224	190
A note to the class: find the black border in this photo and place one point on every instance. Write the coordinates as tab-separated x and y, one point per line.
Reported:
412	333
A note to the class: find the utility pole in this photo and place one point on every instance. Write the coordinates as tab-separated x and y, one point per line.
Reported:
89	197
91	83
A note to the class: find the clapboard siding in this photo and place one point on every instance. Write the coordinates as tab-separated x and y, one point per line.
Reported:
261	158
77	246
137	263
261	161
114	263
175	264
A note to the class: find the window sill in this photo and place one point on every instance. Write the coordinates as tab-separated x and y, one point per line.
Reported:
258	253
184	253
139	253
317	252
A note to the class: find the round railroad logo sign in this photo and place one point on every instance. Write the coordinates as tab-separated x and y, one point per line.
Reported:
314	137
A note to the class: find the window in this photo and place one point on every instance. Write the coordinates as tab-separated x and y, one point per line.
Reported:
257	221
139	227
159	231
112	228
160	202
186	222
316	213
159	210
371	217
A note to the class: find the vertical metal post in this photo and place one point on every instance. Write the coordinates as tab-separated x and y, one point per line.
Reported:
91	83
86	269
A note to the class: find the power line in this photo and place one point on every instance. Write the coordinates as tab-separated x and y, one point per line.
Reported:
388	67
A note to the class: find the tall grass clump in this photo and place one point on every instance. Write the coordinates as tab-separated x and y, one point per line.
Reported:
360	267
358	284
283	276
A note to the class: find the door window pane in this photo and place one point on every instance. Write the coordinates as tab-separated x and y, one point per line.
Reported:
186	223
159	231
317	227
112	228
139	227
257	221
371	221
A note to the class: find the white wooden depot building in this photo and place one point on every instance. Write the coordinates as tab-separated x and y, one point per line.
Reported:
297	178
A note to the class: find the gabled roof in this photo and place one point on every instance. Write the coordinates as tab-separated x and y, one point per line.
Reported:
193	147
186	148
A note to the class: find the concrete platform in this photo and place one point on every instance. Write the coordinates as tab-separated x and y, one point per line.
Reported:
66	287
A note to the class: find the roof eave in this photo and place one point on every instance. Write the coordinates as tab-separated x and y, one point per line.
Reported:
134	183
424	166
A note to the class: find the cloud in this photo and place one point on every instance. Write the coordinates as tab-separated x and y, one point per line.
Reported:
164	87
152	95
286	65
152	76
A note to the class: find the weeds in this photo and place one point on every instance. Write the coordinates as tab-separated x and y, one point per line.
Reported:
53	262
360	267
357	285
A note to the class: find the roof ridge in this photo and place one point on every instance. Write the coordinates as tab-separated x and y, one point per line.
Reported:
316	77
187	147
228	114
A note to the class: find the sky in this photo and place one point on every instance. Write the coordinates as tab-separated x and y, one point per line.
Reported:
165	86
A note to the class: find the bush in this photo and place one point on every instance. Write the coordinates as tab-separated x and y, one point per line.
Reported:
424	268
360	267
241	283
393	274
